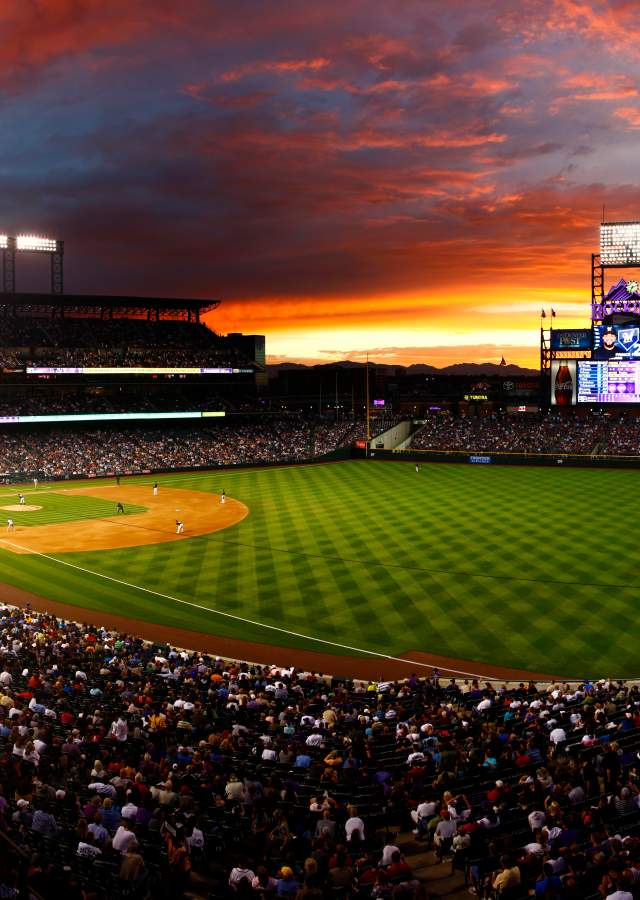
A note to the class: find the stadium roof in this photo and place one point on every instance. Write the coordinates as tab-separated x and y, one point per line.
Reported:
107	302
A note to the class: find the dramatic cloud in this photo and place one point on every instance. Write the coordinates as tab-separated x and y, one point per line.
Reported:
401	176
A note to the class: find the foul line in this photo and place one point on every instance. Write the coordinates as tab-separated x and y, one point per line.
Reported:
218	612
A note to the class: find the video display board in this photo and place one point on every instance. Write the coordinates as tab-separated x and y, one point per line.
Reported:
622	341
612	381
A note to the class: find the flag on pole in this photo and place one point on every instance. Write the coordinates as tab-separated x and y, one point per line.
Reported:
543	314
553	313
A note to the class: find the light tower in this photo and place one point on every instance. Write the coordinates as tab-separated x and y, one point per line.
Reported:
31	243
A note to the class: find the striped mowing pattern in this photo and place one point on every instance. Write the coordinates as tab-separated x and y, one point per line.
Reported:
528	567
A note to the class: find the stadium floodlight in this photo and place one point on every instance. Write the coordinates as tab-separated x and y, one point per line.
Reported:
4	241
36	244
620	244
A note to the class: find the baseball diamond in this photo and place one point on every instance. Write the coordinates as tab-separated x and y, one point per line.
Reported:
470	563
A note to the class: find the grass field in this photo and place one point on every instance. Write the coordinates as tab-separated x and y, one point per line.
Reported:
529	567
58	507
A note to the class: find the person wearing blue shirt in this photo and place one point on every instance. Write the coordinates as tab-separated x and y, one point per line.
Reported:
548	885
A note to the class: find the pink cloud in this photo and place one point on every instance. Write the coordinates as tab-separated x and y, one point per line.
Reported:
273	65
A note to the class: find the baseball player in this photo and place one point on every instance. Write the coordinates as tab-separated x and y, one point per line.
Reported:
155	488
21	499
119	508
35	484
222	496
179	526
9	524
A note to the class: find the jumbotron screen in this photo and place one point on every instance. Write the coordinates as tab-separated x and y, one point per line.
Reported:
611	341
612	381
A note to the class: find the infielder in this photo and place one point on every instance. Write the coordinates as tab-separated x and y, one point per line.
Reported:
179	526
21	499
9	524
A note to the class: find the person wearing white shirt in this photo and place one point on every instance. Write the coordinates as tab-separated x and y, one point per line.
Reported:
129	811
269	755
354	823
484	704
119	729
88	851
196	838
103	789
426	810
123	838
387	853
558	735
536	819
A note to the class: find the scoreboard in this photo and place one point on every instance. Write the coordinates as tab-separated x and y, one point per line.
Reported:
610	381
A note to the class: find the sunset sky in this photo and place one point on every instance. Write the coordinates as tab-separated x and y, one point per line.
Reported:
414	180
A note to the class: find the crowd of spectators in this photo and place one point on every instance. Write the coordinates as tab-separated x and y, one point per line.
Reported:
553	432
128	769
243	439
54	401
74	342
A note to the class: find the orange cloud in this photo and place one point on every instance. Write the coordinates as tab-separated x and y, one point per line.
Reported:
630	115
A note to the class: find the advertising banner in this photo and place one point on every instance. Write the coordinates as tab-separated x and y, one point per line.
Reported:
571	339
563	382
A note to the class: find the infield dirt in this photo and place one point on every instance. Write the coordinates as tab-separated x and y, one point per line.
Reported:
201	513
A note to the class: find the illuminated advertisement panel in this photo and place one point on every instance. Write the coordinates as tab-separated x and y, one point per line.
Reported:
571	339
108	417
613	381
563	382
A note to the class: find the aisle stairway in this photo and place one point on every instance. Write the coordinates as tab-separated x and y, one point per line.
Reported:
436	876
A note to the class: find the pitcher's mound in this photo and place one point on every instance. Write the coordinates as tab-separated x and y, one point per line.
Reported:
21	507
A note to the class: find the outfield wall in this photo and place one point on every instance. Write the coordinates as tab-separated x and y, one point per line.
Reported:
501	459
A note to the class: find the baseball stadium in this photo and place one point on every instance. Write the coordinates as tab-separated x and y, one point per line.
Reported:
251	646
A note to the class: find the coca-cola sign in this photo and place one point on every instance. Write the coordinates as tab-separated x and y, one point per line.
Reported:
563	382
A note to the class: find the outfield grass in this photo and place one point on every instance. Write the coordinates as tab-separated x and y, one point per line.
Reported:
528	567
59	507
